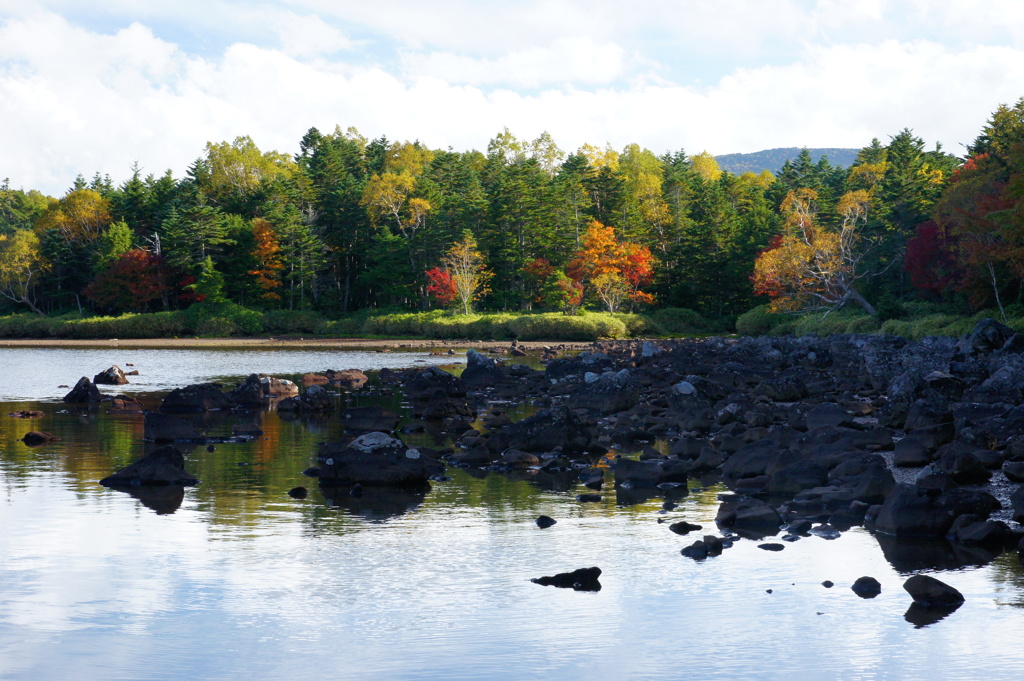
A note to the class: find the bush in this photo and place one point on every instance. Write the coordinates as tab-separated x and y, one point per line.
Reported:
293	321
759	321
222	319
679	320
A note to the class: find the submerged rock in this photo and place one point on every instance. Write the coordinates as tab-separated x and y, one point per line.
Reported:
35	438
583	579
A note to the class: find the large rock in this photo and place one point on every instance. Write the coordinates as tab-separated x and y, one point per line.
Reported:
545	431
196	398
481	371
165	466
632	474
111	376
349	379
608	393
83	392
745	514
931	592
583	579
315	400
35	438
986	336
913	511
260	389
376	459
159	427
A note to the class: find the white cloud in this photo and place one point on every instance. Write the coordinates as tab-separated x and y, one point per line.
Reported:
566	60
78	101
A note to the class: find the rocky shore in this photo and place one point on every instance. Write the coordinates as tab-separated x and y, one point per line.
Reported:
920	442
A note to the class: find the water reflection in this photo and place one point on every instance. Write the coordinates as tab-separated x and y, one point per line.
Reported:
243	581
909	555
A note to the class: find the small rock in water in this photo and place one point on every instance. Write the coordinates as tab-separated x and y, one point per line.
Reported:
545	521
771	547
828	584
211	448
298	492
588	497
867	587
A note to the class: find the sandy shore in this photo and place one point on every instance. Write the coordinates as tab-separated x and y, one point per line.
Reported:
271	343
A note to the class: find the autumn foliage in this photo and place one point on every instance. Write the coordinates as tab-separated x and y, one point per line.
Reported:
130	283
267	253
614	271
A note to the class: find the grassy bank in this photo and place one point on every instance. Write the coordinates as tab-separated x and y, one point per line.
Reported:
233	320
915	322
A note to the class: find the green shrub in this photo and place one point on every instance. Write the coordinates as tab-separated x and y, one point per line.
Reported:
293	321
759	321
679	320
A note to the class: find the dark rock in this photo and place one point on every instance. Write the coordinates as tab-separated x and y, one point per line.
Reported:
828	414
83	392
348	380
698	550
35	438
933	437
544	521
973	530
165	466
111	376
583	579
683	527
866	587
123	403
480	371
315	400
771	547
608	393
912	511
27	414
910	452
376	459
986	336
545	431
931	592
298	492
247	430
588	498
159	427
260	389
797	477
748	515
200	397
964	468
1014	471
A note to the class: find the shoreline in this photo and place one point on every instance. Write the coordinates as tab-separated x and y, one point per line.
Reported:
281	343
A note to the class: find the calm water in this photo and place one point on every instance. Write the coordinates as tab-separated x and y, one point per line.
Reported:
243	582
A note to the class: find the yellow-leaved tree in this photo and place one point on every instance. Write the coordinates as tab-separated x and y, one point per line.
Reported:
811	266
21	263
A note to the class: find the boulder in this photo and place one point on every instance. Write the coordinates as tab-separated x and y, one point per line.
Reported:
165	466
828	414
910	452
111	376
986	336
376	459
83	392
35	438
608	393
122	403
867	587
315	399
545	431
913	511
481	371
747	514
260	389
796	477
931	592
349	379
157	427
200	397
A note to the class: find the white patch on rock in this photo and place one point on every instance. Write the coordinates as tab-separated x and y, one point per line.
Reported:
684	388
371	442
413	454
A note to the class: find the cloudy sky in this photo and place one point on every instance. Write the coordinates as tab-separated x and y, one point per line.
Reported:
93	87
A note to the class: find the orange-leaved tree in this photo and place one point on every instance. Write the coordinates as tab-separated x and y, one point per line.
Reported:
267	252
614	271
811	266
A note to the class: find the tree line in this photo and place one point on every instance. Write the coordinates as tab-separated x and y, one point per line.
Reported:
348	224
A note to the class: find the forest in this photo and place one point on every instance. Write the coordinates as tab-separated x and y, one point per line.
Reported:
349	226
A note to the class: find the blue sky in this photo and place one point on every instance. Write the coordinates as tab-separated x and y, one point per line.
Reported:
87	87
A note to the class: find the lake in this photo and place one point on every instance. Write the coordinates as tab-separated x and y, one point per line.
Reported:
242	581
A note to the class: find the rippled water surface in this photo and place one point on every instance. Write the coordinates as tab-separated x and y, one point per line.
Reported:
241	581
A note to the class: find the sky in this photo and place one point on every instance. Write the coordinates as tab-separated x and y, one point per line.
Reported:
96	87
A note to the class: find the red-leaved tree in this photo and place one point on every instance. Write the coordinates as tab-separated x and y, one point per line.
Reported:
130	283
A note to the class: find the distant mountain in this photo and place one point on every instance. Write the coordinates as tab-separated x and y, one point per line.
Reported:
773	159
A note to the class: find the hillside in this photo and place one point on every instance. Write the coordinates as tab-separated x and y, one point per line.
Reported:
772	159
